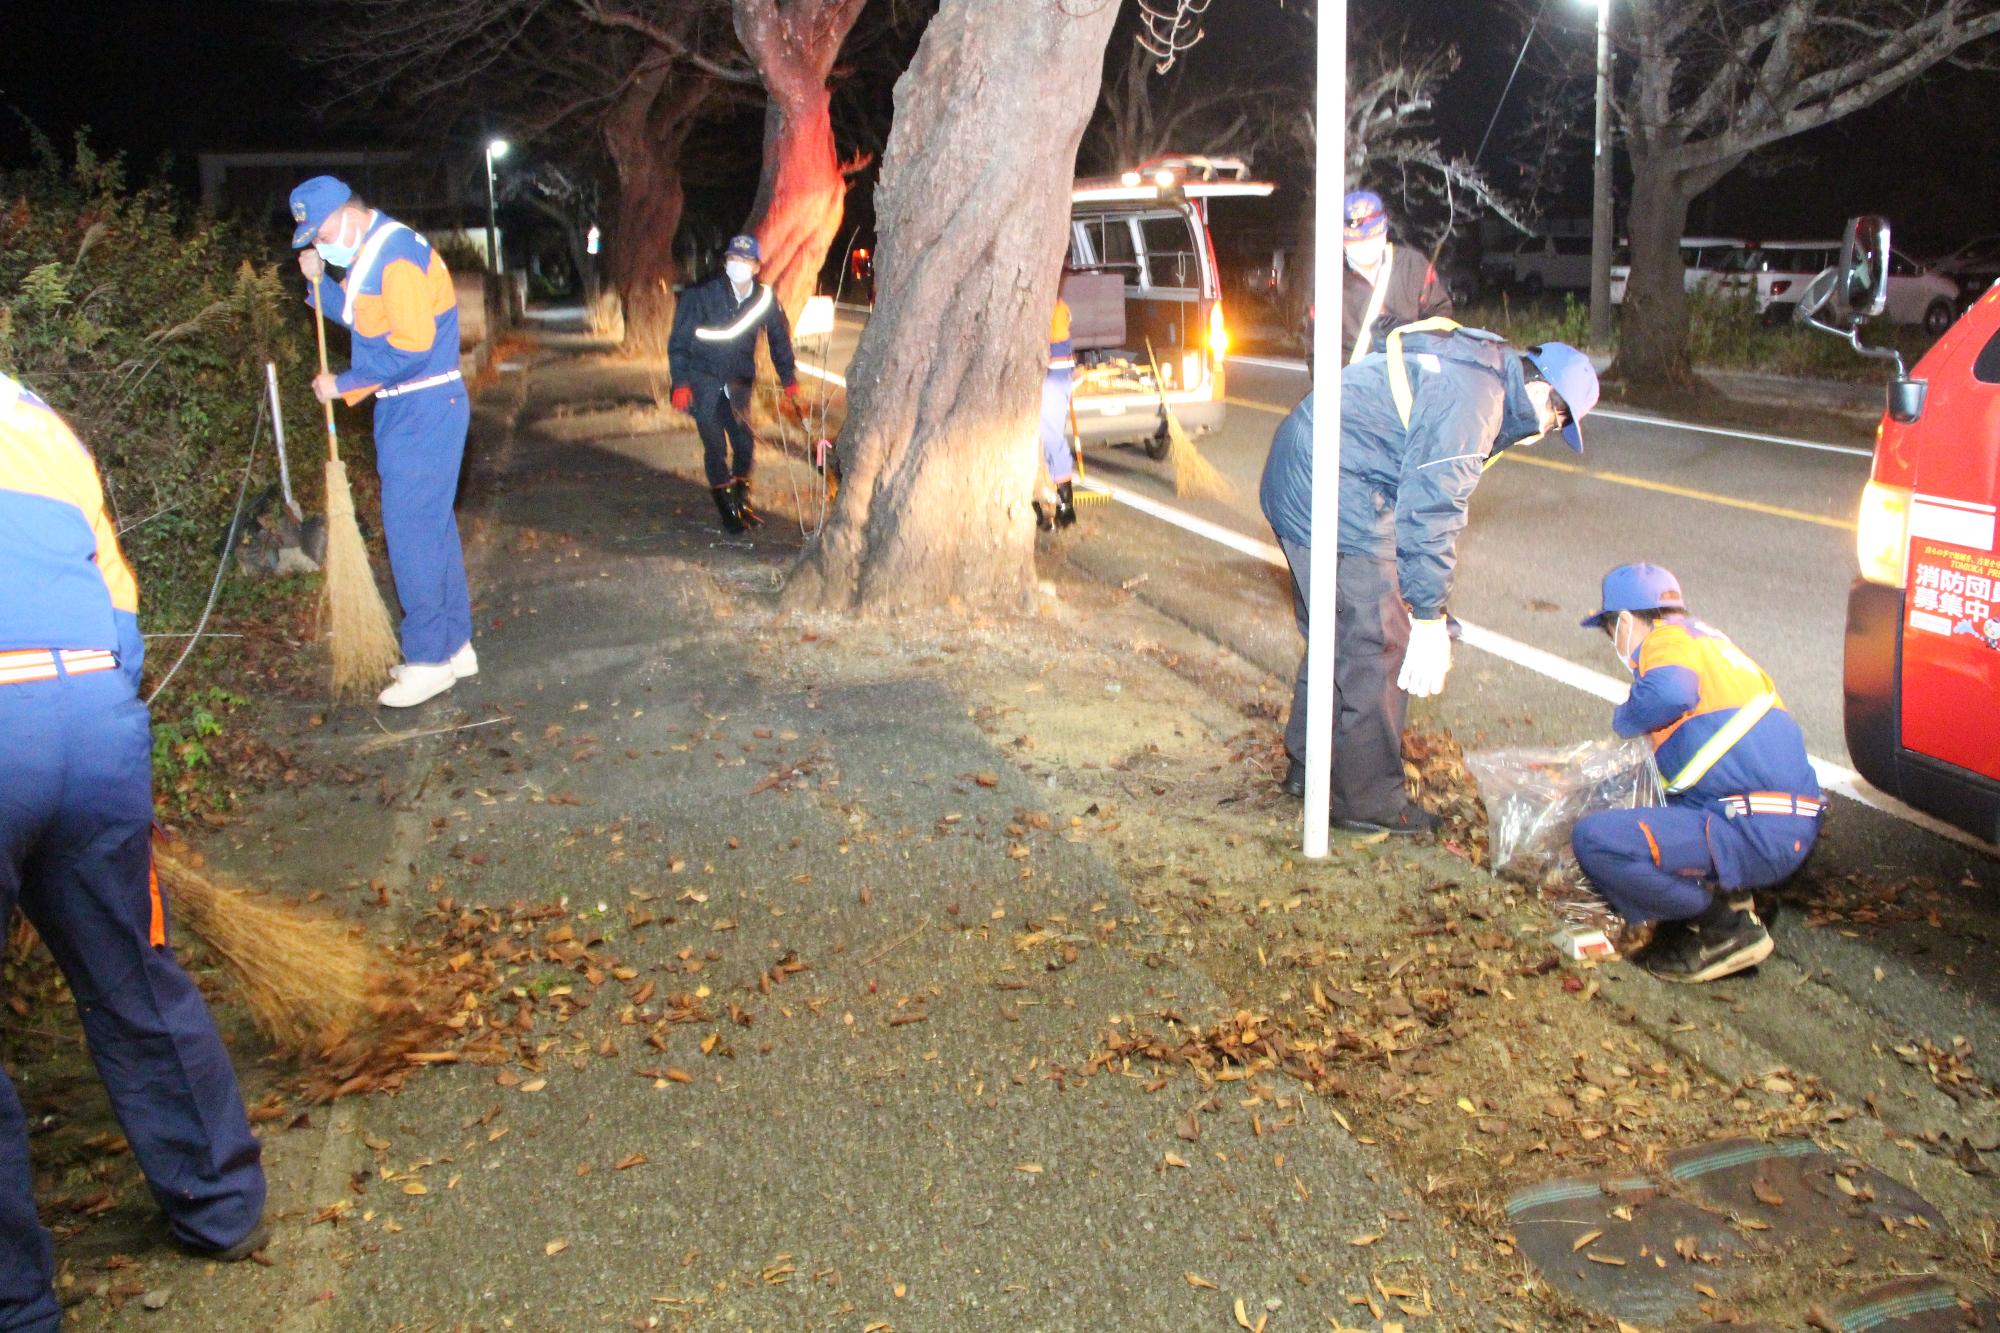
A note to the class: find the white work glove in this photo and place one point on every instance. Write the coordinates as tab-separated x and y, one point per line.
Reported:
1428	659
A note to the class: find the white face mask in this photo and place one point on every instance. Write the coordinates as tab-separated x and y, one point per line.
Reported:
740	271
1365	256
1618	642
339	252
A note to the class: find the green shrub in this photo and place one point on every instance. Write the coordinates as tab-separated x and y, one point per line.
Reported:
1725	333
147	326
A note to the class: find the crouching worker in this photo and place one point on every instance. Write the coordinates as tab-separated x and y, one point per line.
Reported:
76	815
1743	807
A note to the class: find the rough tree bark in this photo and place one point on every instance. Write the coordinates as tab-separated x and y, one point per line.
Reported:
972	219
644	136
801	189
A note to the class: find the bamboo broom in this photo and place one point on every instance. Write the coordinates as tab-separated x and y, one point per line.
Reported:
303	977
364	642
1194	475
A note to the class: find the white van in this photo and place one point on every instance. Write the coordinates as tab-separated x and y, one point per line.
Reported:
1773	273
1143	290
1701	258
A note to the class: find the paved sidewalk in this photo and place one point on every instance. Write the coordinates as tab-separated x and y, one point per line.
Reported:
828	1062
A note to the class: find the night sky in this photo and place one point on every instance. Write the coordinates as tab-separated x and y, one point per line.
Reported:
162	81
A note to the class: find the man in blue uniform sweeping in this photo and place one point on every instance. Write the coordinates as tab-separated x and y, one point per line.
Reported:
712	354
399	303
1418	424
76	818
1743	804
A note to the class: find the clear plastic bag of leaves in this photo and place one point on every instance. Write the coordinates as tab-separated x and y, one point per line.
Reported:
1533	798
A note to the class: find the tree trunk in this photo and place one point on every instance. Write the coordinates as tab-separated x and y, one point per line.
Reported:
938	450
1653	345
642	255
644	138
800	194
800	189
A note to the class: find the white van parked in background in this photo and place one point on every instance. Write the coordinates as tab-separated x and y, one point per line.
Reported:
1701	257
1142	287
1773	273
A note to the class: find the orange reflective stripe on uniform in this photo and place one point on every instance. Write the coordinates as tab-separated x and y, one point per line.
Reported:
156	933
1652	843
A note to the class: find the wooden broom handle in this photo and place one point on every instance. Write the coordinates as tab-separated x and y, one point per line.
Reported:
319	323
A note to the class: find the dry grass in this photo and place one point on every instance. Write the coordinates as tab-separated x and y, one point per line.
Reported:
363	643
300	976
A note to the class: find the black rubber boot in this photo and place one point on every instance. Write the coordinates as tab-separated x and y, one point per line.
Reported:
1065	504
1295	778
741	489
725	505
1044	518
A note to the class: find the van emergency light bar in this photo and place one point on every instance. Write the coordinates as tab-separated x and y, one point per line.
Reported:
1109	191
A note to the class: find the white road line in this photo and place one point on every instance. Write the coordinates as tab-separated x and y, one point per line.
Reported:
1835	778
819	374
1637	418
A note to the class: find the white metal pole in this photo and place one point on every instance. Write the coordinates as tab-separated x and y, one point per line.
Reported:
1330	184
1600	188
278	432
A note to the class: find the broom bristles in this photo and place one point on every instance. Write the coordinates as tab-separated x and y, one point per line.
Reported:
302	977
363	641
1194	476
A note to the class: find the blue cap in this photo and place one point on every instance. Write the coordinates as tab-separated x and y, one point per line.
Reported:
1571	375
742	247
312	203
1640	587
1362	214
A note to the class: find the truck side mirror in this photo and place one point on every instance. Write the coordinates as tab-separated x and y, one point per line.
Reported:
1862	288
1906	399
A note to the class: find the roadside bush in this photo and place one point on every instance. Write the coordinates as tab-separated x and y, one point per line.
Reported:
147	326
1725	334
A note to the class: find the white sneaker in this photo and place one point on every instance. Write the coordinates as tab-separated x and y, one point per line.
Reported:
416	682
464	664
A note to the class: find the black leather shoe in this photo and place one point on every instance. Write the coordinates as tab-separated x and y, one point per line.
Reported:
1295	778
1410	822
259	1237
725	505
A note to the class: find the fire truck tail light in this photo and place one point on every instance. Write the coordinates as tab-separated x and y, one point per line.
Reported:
1882	533
1218	333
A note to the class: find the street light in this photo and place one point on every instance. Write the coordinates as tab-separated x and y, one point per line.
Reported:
1600	186
495	150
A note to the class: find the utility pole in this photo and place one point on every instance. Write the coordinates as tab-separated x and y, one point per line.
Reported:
1601	236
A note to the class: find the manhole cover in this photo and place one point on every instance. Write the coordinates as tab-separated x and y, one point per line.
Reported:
1791	1189
1912	1305
1621	1246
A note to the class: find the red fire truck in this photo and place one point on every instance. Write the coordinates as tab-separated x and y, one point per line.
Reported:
1922	672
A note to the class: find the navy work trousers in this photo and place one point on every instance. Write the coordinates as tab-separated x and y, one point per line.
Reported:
1371	631
76	811
419	447
722	415
1662	863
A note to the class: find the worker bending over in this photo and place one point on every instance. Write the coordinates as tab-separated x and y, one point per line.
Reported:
76	819
1418	424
